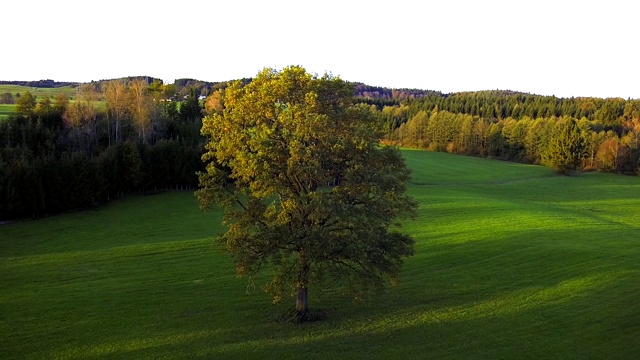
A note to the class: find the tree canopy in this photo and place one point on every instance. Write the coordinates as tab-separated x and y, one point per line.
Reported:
306	186
566	148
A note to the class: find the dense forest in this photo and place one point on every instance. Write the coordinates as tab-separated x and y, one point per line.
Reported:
521	127
115	137
138	135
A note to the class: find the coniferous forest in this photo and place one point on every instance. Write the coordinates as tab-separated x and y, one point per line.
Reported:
138	135
114	138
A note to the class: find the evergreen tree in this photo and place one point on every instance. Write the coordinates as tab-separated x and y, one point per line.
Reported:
190	109
566	148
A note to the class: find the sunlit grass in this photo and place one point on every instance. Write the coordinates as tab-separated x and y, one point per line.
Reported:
511	261
37	91
6	110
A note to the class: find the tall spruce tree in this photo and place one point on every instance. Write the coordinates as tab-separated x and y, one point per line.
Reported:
566	148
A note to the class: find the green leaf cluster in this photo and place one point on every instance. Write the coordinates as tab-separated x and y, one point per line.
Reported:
306	187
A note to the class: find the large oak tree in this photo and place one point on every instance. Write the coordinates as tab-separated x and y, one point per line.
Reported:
307	189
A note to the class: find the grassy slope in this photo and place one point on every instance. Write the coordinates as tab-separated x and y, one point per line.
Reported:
6	110
38	92
511	262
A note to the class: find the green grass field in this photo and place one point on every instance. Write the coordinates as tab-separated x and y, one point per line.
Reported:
38	92
511	261
9	109
6	110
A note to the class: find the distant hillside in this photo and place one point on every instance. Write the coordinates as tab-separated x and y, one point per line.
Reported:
182	86
375	95
377	92
148	79
382	96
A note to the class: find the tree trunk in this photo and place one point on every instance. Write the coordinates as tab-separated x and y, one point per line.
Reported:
303	280
301	302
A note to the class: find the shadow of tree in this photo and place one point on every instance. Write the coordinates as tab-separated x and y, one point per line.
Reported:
500	298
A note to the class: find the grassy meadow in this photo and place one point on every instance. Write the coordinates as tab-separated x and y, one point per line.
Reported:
6	110
512	261
9	109
36	91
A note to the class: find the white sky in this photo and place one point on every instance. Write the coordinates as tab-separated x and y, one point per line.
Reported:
562	47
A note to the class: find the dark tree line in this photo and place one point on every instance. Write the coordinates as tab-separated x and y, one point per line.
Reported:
58	156
47	83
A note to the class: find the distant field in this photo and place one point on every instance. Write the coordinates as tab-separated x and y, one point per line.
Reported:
38	92
512	261
6	110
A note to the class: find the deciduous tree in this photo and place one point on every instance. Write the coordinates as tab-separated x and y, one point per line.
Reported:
116	96
26	104
305	185
6	98
141	110
82	115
